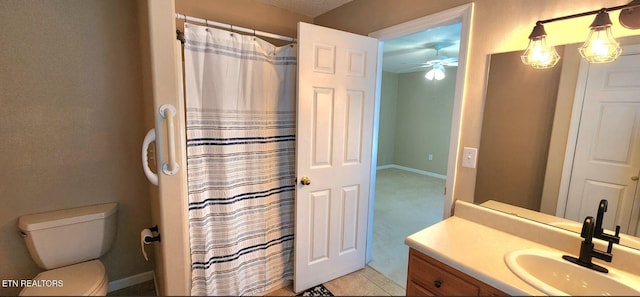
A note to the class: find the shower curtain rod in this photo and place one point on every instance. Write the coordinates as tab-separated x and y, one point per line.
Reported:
232	27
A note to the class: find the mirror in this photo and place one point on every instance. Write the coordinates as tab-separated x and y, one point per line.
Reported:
525	134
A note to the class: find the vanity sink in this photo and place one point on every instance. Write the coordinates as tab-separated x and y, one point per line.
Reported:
549	273
630	241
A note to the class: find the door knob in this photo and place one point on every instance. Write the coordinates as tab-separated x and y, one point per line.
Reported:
305	180
635	178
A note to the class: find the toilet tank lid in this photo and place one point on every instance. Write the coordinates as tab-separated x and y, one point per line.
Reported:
63	217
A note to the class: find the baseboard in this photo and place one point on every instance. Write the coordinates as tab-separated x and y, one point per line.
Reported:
385	166
130	281
418	171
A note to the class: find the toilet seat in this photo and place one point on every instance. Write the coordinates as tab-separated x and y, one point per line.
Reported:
82	279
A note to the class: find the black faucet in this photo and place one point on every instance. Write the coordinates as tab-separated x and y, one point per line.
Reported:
587	250
599	232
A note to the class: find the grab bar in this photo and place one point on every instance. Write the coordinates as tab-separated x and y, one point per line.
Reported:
168	112
148	139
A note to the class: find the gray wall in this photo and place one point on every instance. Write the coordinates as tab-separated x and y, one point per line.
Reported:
386	133
71	124
422	114
516	131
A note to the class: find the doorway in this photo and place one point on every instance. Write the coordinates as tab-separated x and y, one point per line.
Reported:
417	133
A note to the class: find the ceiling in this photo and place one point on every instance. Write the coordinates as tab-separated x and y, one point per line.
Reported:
310	8
401	55
405	54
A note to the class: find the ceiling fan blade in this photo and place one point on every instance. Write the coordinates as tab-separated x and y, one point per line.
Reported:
450	60
416	68
423	64
452	64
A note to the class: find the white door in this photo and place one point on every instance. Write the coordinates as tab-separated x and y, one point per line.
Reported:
336	100
607	157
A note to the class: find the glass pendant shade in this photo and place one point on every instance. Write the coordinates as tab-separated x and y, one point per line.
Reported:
601	46
539	54
436	73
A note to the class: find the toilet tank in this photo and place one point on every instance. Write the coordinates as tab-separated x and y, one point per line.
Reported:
69	236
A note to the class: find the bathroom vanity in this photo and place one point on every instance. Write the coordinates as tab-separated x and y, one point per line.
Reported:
481	251
430	277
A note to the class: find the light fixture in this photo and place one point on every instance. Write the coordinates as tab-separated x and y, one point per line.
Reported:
539	54
437	72
600	47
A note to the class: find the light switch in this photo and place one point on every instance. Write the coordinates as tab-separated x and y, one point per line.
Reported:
469	157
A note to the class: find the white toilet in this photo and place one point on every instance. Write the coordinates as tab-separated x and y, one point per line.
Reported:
67	243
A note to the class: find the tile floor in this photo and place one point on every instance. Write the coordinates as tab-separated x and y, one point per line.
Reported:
405	202
364	282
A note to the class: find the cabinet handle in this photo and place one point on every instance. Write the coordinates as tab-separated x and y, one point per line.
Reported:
437	283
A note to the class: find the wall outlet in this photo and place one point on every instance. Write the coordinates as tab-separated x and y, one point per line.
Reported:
469	157
430	157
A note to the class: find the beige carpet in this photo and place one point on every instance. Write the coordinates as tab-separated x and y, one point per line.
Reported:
405	202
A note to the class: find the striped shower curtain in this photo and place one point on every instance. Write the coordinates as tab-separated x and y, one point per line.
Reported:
240	102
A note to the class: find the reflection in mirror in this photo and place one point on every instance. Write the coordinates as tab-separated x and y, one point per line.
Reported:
528	129
625	239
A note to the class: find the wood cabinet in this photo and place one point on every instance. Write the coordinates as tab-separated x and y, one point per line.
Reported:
430	277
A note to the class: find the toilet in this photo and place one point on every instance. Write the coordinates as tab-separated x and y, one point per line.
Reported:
67	244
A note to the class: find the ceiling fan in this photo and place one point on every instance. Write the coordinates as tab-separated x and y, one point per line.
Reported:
438	60
437	71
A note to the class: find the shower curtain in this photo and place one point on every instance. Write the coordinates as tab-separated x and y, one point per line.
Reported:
240	102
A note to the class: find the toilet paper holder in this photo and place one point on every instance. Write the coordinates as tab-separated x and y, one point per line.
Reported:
154	238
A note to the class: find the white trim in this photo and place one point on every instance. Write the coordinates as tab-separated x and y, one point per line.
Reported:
464	14
572	138
574	128
130	281
461	13
418	171
174	253
374	155
385	166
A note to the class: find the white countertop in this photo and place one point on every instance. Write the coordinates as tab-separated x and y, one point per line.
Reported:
467	243
476	250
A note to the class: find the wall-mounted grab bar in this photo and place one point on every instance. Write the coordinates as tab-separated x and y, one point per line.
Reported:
148	139
168	112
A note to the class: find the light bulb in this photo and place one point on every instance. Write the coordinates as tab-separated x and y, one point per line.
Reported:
601	46
436	73
539	54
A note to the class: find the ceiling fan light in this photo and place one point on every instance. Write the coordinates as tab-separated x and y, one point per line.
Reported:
601	46
539	54
437	73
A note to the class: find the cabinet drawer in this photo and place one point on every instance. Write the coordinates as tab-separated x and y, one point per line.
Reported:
437	280
414	289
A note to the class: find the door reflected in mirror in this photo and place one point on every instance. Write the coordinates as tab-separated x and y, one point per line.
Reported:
556	141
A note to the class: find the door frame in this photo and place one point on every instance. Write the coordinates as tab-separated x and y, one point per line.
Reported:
464	14
175	250
574	128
